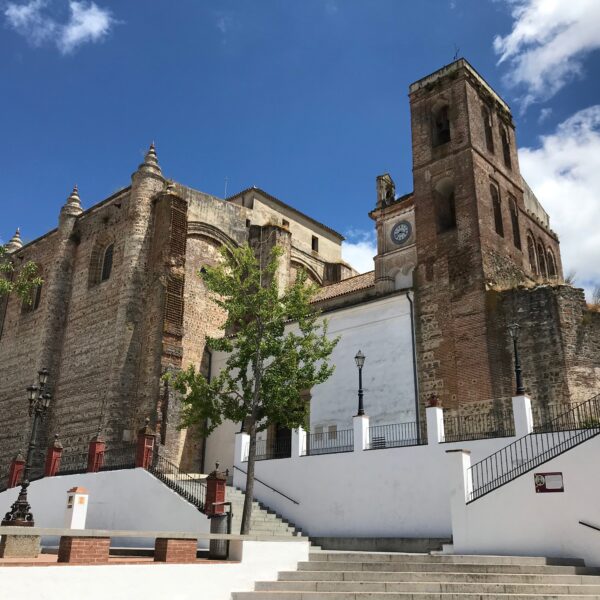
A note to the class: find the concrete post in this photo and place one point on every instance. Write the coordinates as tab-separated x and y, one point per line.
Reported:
53	456
298	442
145	446
15	473
435	424
77	505
461	488
96	454
522	415
360	424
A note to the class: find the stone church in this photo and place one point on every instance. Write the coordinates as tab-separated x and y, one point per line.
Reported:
467	252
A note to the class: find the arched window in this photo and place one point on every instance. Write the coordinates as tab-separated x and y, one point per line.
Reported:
531	254
32	302
107	262
542	260
551	264
498	224
486	117
514	217
445	210
505	146
441	126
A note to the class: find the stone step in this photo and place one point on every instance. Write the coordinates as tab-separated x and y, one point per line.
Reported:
428	587
436	576
343	556
397	566
397	596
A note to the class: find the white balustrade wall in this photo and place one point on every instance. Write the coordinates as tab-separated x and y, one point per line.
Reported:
406	491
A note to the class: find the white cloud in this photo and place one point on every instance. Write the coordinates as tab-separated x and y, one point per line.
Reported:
28	20
563	172
36	22
547	44
88	23
545	114
359	248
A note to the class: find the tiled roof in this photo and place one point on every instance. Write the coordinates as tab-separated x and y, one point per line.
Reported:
283	204
346	286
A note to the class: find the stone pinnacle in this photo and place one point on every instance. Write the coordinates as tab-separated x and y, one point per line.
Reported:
15	243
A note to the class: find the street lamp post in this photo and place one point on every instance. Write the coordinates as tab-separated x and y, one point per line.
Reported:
39	401
360	361
513	330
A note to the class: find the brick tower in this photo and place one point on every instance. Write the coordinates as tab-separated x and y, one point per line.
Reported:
480	230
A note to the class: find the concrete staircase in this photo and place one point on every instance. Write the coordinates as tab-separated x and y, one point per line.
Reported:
264	521
370	576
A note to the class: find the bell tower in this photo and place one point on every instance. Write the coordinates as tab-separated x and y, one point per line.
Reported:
472	217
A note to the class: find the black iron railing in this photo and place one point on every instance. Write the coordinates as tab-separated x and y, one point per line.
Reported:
396	435
482	426
119	457
532	450
272	449
561	417
189	486
329	442
73	462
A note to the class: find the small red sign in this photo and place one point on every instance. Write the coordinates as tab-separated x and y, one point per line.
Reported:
546	483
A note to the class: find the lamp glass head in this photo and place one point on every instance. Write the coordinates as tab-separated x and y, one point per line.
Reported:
513	329
43	376
360	359
32	392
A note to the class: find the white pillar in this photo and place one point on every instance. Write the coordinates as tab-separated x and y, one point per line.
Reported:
461	488
242	441
77	504
435	424
298	442
522	415
360	423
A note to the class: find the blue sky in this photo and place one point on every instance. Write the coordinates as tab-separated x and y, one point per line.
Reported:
306	99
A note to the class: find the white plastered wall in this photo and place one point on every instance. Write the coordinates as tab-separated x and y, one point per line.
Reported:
381	329
130	499
514	519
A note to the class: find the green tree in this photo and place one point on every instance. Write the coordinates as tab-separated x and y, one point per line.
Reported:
269	365
22	281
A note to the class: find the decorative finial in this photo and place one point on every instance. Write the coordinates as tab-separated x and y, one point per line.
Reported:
73	204
150	164
15	243
170	187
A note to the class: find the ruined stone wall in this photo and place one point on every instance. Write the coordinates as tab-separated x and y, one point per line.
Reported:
90	330
559	344
20	340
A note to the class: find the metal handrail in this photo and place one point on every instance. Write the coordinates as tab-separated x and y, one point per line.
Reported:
193	489
534	449
589	525
267	485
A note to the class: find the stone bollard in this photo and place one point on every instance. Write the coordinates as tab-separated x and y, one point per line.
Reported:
96	454
15	473
145	446
53	456
77	505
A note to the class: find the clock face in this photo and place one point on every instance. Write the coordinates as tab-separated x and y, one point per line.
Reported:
401	232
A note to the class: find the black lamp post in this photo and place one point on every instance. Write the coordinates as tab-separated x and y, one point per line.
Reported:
514	329
39	401
360	361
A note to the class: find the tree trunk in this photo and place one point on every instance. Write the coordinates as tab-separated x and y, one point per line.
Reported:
247	512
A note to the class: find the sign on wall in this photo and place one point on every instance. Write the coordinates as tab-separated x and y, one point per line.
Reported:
548	482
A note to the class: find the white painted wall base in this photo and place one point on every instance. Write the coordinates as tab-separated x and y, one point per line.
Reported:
130	499
259	561
514	519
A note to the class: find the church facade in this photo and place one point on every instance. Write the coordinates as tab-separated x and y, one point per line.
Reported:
466	253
